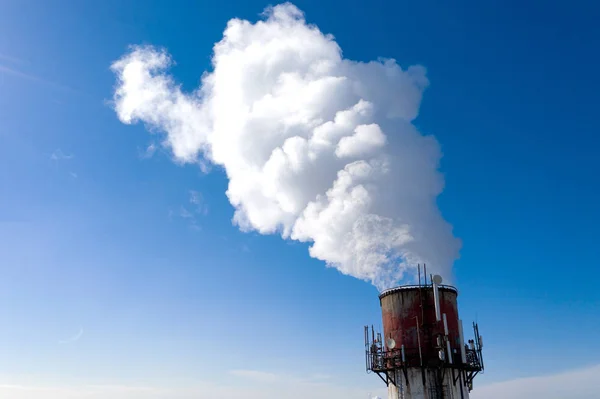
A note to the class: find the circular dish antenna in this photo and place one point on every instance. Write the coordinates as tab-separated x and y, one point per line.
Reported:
437	279
391	343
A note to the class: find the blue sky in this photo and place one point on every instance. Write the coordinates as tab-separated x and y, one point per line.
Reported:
96	239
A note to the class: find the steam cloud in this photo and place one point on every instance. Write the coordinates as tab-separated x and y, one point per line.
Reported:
316	147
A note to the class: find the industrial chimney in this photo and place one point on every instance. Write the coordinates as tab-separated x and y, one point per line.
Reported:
422	353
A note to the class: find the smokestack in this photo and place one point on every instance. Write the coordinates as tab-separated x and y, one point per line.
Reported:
425	367
317	148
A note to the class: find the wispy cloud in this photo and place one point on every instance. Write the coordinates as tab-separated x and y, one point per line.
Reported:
199	208
18	73
190	217
148	152
195	197
256	375
74	338
197	200
59	155
22	391
184	213
257	385
13	60
574	384
15	70
195	226
268	377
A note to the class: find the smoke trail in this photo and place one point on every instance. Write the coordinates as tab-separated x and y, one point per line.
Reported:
316	147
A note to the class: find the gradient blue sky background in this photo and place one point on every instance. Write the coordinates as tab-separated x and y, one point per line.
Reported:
95	239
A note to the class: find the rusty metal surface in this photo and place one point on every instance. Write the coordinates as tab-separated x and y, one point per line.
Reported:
411	287
408	315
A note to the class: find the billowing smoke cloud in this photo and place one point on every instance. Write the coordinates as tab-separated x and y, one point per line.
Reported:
317	148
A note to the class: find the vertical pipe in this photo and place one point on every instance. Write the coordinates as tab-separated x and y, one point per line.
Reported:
372	333
448	349
445	324
419	267
403	355
419	341
436	300
461	337
425	272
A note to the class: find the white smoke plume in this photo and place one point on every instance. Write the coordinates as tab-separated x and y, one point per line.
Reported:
317	148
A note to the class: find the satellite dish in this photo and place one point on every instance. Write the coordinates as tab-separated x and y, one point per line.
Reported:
391	343
437	279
